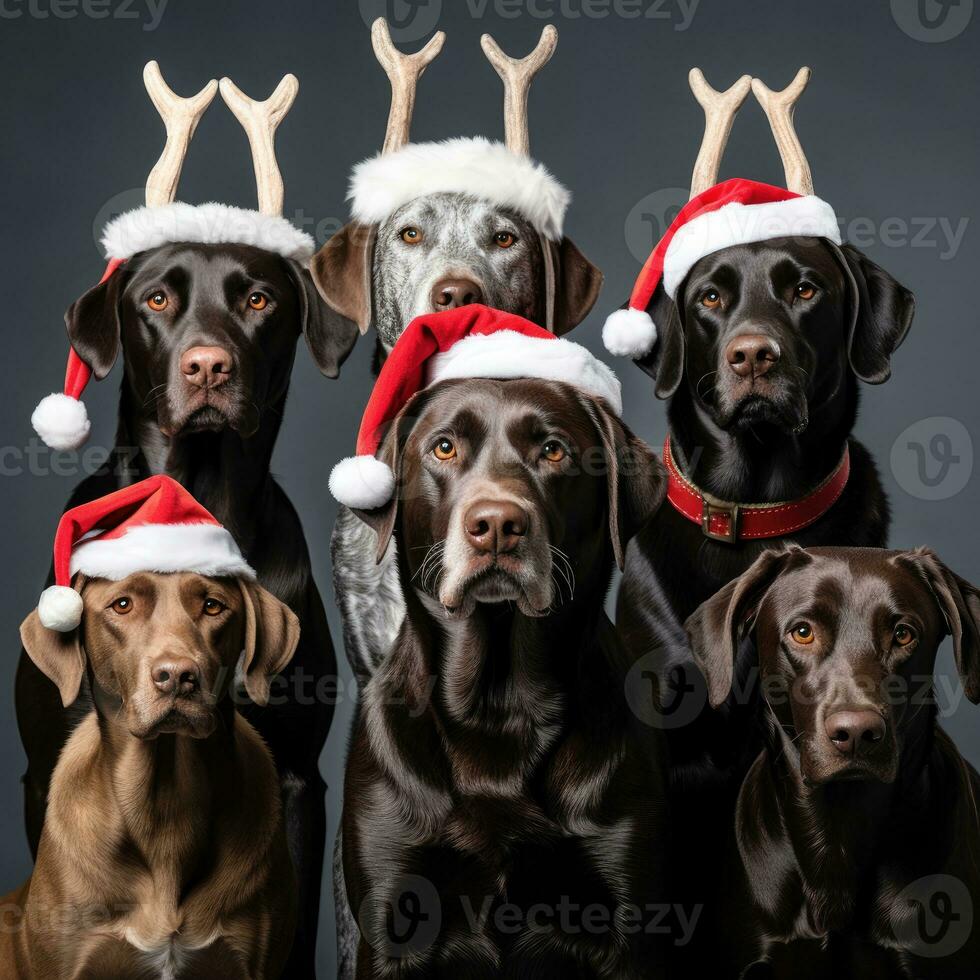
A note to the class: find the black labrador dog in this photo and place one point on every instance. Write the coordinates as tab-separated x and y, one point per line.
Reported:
207	335
759	359
495	788
855	851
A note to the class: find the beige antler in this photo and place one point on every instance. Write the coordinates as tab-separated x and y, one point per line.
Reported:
404	72
779	108
180	116
720	109
517	75
260	121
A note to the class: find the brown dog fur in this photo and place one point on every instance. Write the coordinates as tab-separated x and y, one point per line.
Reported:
163	852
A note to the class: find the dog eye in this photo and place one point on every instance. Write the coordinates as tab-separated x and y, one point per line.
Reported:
444	449
411	235
806	290
903	635
711	299
553	451
504	239
803	634
157	302
258	301
212	607
122	605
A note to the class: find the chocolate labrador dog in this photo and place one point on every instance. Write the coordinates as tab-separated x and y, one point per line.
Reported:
856	845
207	335
164	852
494	779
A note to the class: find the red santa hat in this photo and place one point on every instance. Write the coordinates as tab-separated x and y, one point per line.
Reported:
734	212
468	342
60	418
151	526
473	165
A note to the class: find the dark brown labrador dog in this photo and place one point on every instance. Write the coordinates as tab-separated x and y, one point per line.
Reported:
856	846
207	335
164	851
495	790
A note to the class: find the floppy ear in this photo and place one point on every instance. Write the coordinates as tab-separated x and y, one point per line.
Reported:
665	363
576	284
59	656
341	271
93	324
329	335
635	477
720	623
881	315
960	605
271	635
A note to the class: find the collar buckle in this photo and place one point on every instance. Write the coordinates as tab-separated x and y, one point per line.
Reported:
729	512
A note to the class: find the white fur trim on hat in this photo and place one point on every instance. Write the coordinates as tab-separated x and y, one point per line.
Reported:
207	549
61	421
509	354
743	224
362	482
208	224
629	333
60	608
475	166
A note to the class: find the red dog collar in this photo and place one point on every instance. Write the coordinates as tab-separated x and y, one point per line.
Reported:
724	521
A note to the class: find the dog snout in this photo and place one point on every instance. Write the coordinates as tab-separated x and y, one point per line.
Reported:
752	355
495	526
854	733
178	676
448	294
206	367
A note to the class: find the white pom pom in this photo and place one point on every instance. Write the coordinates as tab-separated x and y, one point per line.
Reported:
629	333
61	421
60	608
362	482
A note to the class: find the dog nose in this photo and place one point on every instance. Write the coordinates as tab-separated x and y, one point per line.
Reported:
176	675
495	526
752	355
447	294
854	732
206	367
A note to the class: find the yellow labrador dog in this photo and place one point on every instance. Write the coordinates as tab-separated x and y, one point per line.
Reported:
163	854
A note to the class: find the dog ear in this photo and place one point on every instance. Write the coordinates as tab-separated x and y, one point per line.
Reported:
635	477
576	286
665	362
960	605
881	312
329	335
59	656
94	324
341	271
717	627
271	635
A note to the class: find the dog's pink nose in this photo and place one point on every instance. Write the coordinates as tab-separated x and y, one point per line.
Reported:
448	294
752	355
495	526
206	367
176	675
854	732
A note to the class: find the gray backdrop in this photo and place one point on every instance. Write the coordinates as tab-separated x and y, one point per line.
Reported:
889	123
